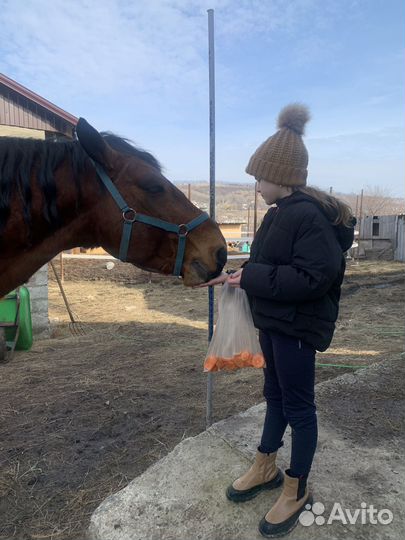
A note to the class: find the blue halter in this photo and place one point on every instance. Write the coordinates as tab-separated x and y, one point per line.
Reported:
129	216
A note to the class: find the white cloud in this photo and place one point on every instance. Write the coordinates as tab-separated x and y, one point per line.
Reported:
140	69
132	48
100	47
123	62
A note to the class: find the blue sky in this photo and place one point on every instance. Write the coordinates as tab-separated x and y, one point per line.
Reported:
140	69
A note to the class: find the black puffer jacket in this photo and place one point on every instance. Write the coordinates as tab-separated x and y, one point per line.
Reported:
296	268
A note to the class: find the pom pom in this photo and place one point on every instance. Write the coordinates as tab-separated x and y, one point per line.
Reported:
294	117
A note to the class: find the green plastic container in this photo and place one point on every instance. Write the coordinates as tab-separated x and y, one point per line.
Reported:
15	308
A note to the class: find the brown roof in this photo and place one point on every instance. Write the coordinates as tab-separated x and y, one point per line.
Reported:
19	88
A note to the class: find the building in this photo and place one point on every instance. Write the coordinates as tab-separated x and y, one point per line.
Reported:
232	230
382	237
26	114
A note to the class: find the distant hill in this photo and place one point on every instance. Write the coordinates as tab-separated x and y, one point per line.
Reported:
234	199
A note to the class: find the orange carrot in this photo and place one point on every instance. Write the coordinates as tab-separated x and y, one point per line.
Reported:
210	362
237	361
258	361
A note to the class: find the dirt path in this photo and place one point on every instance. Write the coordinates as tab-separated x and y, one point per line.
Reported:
82	416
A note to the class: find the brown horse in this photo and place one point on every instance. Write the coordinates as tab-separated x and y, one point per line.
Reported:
52	199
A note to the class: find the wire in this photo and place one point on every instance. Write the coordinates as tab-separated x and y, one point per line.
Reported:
339	365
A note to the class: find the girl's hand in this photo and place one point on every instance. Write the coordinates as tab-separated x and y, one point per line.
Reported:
219	280
234	279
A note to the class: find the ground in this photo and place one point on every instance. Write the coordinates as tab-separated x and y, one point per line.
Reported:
82	415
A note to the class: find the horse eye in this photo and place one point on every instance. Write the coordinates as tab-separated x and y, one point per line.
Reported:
150	188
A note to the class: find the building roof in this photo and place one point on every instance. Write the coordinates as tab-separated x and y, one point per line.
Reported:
20	89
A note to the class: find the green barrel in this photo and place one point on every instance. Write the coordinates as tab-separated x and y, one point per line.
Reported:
10	313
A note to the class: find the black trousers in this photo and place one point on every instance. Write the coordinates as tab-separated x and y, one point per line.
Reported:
289	380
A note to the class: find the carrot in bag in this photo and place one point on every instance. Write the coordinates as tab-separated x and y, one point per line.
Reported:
234	344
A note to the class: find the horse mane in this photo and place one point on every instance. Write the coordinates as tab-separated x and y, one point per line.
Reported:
20	158
125	146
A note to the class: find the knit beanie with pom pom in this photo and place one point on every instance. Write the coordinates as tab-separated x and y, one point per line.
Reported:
283	159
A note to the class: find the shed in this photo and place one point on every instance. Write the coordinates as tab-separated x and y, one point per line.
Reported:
382	237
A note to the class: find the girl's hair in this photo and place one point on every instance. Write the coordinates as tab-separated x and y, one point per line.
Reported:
334	207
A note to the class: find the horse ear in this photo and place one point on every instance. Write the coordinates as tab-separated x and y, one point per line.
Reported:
93	143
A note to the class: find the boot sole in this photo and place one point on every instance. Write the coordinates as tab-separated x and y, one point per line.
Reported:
287	526
242	496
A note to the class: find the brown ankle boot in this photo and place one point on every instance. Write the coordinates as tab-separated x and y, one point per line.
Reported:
284	514
263	474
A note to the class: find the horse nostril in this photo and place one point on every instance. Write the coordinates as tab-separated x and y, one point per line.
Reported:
222	257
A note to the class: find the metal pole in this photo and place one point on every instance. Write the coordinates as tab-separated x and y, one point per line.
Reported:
360	224
189	192
255	212
361	214
211	58
356	215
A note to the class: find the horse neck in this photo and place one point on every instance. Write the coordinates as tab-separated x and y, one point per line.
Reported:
75	206
77	193
21	256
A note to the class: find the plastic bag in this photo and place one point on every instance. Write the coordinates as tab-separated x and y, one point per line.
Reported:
234	343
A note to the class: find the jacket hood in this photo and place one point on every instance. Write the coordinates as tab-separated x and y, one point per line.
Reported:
344	235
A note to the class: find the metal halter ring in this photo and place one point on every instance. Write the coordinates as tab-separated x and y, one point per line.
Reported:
129	219
183	230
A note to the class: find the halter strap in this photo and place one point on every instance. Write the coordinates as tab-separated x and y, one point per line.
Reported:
129	216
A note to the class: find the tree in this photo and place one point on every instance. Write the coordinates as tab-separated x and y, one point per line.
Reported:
377	200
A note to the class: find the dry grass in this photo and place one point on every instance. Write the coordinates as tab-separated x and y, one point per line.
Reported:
81	416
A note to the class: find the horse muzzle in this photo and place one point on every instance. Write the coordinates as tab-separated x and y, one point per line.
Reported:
204	273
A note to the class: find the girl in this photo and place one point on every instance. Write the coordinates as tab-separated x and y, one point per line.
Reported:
293	280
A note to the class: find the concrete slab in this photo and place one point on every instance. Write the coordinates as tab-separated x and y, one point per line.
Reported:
182	496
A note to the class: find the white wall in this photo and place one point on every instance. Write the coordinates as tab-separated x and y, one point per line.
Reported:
38	287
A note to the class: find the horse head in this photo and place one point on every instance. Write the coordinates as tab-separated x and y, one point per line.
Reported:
140	183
